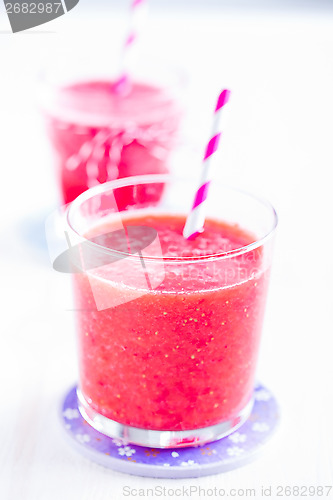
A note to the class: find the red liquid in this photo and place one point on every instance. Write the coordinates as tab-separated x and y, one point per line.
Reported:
182	356
99	135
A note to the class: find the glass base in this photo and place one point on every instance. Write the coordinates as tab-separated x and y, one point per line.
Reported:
161	439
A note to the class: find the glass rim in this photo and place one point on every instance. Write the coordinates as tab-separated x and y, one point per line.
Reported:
164	178
50	86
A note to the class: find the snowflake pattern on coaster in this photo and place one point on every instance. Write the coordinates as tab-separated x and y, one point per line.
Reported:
227	453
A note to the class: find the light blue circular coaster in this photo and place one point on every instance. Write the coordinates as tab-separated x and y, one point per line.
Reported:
227	453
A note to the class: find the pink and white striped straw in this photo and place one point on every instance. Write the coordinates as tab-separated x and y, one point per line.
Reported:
196	219
137	16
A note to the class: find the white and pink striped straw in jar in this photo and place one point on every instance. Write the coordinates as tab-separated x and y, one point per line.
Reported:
196	218
138	14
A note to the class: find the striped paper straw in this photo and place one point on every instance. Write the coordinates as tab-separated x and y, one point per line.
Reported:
196	219
137	17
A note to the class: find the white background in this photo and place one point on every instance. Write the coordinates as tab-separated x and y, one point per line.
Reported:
278	142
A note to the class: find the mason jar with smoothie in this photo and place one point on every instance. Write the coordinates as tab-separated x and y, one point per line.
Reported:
101	132
168	329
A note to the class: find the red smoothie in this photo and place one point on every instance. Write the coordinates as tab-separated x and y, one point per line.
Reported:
183	355
100	135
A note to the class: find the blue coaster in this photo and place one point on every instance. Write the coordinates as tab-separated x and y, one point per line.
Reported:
227	453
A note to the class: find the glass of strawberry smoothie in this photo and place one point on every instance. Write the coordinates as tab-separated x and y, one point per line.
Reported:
100	131
168	329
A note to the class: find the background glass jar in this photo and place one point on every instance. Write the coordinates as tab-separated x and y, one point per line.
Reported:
99	133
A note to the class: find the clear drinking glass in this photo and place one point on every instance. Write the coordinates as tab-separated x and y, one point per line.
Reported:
168	337
99	133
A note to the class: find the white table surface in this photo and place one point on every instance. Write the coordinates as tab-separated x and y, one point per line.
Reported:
278	143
